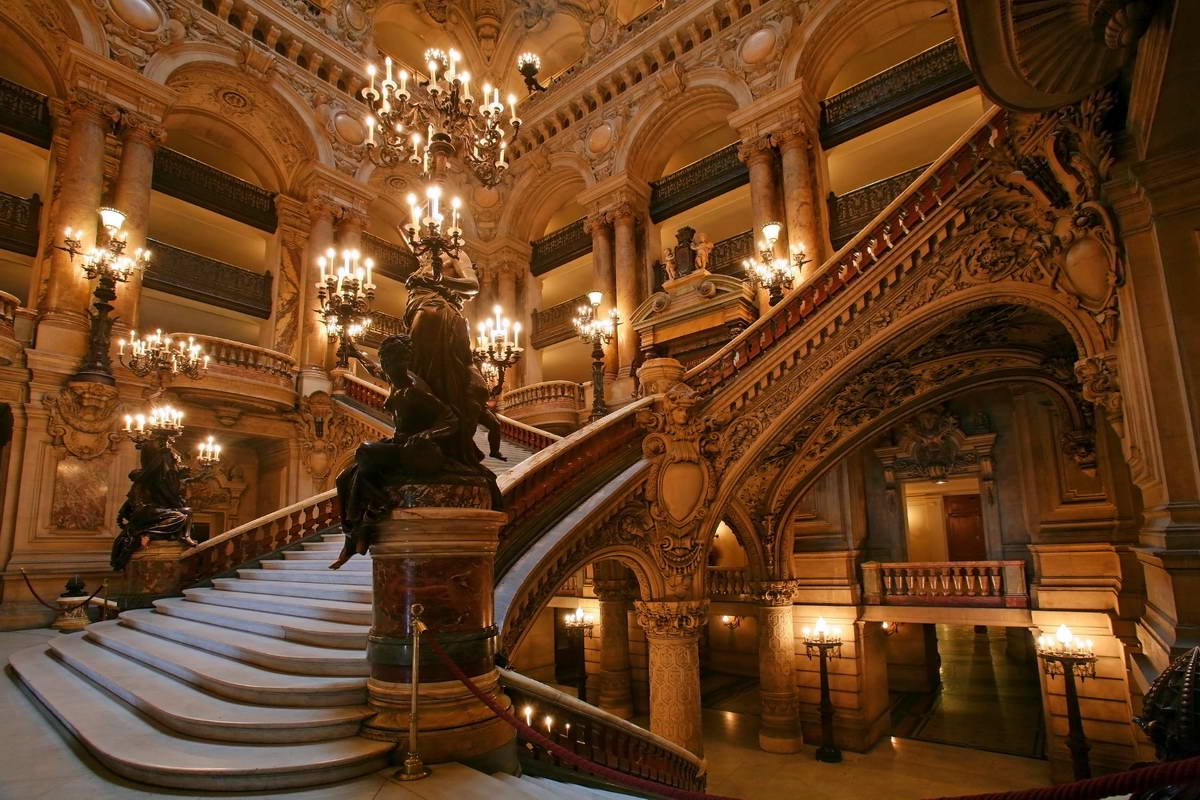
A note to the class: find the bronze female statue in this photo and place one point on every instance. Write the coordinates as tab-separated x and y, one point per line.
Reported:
155	508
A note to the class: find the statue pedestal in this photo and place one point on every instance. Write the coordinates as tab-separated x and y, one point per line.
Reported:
154	571
441	558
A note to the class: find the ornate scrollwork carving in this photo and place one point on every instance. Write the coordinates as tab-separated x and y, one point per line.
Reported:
672	619
82	416
774	593
326	435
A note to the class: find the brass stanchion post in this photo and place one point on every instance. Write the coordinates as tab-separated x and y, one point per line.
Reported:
414	769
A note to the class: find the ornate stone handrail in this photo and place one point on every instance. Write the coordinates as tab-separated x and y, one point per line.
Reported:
187	274
849	212
242	357
558	247
894	225
260	537
382	326
19	223
8	313
24	114
391	260
729	583
553	325
565	393
208	187
601	737
687	187
998	584
929	76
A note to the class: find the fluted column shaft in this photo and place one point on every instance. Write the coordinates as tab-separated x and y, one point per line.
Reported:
131	195
779	731
616	692
604	275
673	633
800	196
625	221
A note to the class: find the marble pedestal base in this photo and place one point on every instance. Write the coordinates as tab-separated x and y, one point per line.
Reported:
154	571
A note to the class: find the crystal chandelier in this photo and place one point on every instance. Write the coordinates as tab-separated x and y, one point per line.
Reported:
776	275
495	351
345	293
426	121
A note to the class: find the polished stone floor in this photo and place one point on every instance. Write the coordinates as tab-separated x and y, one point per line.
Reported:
39	760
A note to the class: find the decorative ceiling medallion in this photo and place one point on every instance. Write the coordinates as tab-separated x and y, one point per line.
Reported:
234	99
758	46
138	14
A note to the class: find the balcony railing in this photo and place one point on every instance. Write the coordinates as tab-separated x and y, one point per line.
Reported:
557	248
849	213
998	584
598	736
227	355
382	326
929	76
564	393
196	277
553	325
391	260
24	114
725	259
196	182
688	187
8	314
728	583
19	223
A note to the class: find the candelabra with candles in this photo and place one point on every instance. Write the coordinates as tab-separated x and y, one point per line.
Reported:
578	626
776	275
427	120
495	352
1064	654
890	628
825	642
163	357
345	293
528	65
426	234
597	330
108	265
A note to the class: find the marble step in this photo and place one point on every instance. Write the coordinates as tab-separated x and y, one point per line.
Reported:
353	565
315	591
134	747
525	786
189	711
573	791
263	651
316	632
307	607
225	677
325	556
333	537
330	547
358	577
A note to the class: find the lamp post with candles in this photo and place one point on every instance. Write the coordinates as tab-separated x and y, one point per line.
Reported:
598	331
1065	654
495	351
163	357
825	642
108	265
345	293
579	626
776	275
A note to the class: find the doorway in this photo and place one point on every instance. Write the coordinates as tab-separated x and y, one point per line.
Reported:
964	527
944	520
570	661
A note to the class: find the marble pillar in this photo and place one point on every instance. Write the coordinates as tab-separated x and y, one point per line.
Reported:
779	730
801	212
350	224
530	366
672	631
140	138
604	275
314	339
625	222
80	185
442	559
616	695
759	157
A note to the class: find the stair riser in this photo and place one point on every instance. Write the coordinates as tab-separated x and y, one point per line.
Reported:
356	578
204	612
313	591
298	666
302	565
209	729
252	782
262	602
325	556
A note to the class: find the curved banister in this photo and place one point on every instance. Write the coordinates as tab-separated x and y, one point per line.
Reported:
232	353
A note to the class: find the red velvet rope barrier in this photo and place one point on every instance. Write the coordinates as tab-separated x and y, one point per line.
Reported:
1171	773
562	753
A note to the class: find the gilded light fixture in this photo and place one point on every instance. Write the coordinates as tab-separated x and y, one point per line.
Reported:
345	294
597	330
776	275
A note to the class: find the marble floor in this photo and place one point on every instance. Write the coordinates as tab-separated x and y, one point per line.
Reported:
39	760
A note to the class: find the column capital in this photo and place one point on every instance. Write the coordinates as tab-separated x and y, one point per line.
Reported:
294	221
83	102
322	206
756	148
679	620
774	593
615	191
143	127
597	222
614	590
352	217
794	133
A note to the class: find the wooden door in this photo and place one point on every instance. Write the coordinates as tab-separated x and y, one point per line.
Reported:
964	527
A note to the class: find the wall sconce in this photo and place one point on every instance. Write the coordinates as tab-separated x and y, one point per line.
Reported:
890	628
732	622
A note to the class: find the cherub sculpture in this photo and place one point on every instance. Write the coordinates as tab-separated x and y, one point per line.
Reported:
703	249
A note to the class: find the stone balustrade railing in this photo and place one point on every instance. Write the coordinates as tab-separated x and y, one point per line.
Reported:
562	394
558	247
554	324
8	313
598	736
729	583
19	223
999	584
382	326
230	355
391	260
849	212
24	114
725	259
259	538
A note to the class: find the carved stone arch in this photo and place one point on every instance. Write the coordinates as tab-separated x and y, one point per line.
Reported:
38	37
538	195
746	530
658	128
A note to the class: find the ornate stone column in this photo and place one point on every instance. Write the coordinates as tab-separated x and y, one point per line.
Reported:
626	218
141	136
314	339
604	275
293	274
350	224
672	630
441	558
759	156
780	728
616	695
796	142
530	367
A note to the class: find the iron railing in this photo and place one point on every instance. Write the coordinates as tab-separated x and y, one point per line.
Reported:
19	223
208	187
186	274
24	114
688	187
557	248
849	213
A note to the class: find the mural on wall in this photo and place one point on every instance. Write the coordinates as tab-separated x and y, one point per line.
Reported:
80	494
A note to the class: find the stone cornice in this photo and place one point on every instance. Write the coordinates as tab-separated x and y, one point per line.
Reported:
774	111
611	192
115	83
320	179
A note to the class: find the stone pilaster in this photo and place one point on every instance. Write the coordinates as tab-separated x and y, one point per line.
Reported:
672	630
314	345
780	728
295	270
616	696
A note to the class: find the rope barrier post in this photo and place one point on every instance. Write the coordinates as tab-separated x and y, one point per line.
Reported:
414	769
